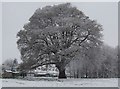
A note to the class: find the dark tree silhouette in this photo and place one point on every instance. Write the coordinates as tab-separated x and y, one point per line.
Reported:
55	35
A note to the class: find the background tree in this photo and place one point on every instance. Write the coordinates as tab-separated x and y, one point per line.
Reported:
98	63
110	62
7	64
87	66
10	64
55	35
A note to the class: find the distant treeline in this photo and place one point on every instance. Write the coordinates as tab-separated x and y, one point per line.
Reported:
97	63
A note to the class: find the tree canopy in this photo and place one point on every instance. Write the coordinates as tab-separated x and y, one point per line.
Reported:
56	34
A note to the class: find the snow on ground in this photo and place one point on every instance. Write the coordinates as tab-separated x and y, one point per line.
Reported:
53	82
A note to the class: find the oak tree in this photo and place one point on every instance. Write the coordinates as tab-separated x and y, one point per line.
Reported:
55	35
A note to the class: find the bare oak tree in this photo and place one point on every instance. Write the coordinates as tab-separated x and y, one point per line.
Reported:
55	35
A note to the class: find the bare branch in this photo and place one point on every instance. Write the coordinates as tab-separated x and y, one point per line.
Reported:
41	64
85	38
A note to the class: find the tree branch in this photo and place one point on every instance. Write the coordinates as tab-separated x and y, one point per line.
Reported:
74	40
41	64
81	40
85	38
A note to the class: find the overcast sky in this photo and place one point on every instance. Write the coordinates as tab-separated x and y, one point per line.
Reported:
15	15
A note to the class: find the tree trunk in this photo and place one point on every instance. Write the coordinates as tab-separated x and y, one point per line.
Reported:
61	69
62	74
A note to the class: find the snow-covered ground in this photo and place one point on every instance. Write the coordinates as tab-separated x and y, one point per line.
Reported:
53	82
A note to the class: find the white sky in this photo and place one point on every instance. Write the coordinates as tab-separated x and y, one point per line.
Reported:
15	15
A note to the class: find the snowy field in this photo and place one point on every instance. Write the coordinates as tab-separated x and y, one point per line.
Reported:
53	82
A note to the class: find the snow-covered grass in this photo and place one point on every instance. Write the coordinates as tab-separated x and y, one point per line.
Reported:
54	82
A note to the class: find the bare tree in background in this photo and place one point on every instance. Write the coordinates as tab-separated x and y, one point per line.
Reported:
98	63
10	64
